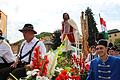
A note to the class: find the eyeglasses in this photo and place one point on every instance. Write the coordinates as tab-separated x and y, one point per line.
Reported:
99	48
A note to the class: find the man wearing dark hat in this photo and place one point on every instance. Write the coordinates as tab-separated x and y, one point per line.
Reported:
111	51
104	67
117	51
26	50
92	54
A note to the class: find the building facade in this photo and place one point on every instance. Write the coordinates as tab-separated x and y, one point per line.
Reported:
113	35
3	23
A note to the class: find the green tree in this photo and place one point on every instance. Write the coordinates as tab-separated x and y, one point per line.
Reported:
56	39
117	43
43	34
92	29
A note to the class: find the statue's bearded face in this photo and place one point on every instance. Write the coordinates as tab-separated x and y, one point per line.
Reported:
65	16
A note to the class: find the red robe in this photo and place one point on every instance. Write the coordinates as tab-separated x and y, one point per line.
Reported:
67	29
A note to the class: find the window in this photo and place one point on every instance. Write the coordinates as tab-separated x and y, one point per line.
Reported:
109	35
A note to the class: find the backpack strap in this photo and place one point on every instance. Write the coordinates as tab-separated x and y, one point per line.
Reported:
29	52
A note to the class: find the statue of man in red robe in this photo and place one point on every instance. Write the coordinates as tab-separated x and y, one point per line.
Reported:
69	29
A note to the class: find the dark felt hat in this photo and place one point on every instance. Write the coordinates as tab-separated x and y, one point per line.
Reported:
118	50
112	48
102	42
28	27
93	46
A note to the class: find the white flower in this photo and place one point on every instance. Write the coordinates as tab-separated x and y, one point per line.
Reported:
59	69
41	78
34	72
29	72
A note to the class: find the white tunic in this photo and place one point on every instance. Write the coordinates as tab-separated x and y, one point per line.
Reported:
6	52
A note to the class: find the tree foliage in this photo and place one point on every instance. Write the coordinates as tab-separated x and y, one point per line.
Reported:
117	43
38	36
56	39
43	34
92	29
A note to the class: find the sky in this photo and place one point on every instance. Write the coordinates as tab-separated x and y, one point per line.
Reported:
46	15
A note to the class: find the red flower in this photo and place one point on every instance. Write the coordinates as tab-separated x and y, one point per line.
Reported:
82	71
64	72
72	77
78	78
39	63
74	57
63	75
87	67
58	78
72	69
66	76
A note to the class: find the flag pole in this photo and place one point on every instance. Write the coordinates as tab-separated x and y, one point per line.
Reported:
100	21
100	18
99	15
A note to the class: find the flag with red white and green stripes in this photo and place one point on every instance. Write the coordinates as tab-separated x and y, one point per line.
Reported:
104	28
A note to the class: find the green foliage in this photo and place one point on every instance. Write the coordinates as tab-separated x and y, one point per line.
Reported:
56	39
43	34
117	43
67	62
105	35
92	29
84	75
64	60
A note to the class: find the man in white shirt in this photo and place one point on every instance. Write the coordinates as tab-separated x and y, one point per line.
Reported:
26	50
91	55
6	56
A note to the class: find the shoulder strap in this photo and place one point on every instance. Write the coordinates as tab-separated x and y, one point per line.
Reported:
4	60
91	56
21	52
29	51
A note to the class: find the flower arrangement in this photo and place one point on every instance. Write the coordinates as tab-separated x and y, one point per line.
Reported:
57	65
73	67
39	66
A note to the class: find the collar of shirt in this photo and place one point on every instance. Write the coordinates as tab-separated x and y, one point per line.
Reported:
32	41
105	60
94	53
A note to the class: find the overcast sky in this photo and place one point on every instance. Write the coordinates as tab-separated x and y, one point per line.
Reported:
46	15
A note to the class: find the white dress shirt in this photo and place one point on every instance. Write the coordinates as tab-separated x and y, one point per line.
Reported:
28	46
6	52
88	59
